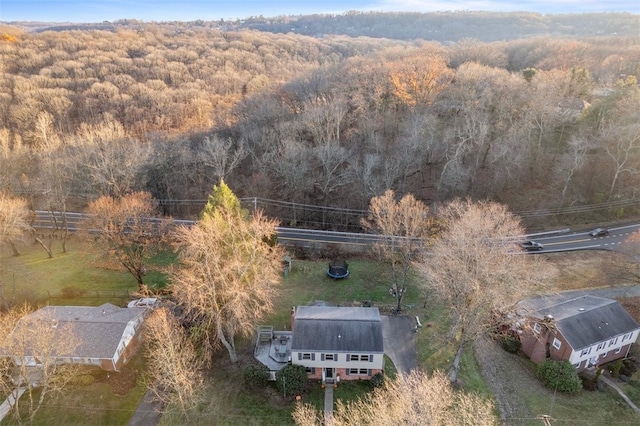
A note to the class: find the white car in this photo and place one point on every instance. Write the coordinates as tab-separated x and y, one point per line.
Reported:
145	302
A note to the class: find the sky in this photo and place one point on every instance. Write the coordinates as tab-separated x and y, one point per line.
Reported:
213	10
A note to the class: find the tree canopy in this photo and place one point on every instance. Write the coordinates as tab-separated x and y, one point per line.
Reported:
476	267
229	273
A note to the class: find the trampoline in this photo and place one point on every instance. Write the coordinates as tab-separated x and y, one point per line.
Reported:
338	269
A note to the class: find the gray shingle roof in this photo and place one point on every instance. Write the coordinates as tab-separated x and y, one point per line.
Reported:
587	320
339	329
99	329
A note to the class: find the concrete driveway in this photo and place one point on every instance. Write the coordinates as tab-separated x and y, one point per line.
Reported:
399	337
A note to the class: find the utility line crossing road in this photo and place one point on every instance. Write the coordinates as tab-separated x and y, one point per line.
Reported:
553	241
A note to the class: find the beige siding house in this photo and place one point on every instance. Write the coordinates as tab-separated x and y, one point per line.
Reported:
337	343
108	335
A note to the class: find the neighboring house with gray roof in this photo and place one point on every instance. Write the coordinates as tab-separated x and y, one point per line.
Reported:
337	343
108	335
587	330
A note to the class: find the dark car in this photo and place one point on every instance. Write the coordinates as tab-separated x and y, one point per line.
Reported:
599	232
531	246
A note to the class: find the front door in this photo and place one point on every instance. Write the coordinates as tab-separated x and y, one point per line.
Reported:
328	373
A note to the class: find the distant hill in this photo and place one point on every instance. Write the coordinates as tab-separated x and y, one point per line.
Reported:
452	26
438	26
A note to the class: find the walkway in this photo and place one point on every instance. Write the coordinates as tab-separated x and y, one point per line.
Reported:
328	404
6	406
148	412
610	382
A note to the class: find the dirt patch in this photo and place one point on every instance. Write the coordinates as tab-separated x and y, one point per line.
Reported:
590	269
632	305
121	383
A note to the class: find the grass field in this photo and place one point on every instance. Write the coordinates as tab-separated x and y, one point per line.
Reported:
226	399
34	277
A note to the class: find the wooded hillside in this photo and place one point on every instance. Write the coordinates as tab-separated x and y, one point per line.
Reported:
537	123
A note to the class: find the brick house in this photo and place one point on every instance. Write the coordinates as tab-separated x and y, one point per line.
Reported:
587	330
337	343
108	335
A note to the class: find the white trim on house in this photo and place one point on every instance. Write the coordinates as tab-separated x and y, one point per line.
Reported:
595	351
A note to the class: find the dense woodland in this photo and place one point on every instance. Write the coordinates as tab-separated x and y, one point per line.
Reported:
534	121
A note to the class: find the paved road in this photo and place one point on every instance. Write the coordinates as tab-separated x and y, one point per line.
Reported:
571	241
148	412
399	337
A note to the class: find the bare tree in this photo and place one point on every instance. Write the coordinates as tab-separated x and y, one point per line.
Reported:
418	77
127	231
414	399
221	155
620	134
14	220
229	271
174	365
578	147
31	352
290	165
404	225
106	160
475	268
333	170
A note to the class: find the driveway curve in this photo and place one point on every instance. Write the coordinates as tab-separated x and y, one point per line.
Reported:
399	337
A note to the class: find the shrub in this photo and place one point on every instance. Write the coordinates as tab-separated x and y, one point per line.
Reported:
377	380
510	344
559	375
83	380
256	375
629	366
615	368
291	380
588	383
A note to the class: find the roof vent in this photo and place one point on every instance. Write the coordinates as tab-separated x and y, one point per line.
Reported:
581	309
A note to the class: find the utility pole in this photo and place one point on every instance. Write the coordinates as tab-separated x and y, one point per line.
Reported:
546	419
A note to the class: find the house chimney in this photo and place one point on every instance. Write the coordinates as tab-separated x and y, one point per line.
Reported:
293	316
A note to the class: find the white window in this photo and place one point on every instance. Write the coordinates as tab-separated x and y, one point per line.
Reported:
310	370
328	357
537	328
627	336
585	351
618	350
353	357
556	343
364	371
306	356
364	357
613	341
601	346
353	371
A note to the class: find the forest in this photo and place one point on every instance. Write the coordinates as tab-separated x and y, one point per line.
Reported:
542	119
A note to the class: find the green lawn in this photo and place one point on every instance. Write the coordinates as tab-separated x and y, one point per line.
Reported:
77	277
110	400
